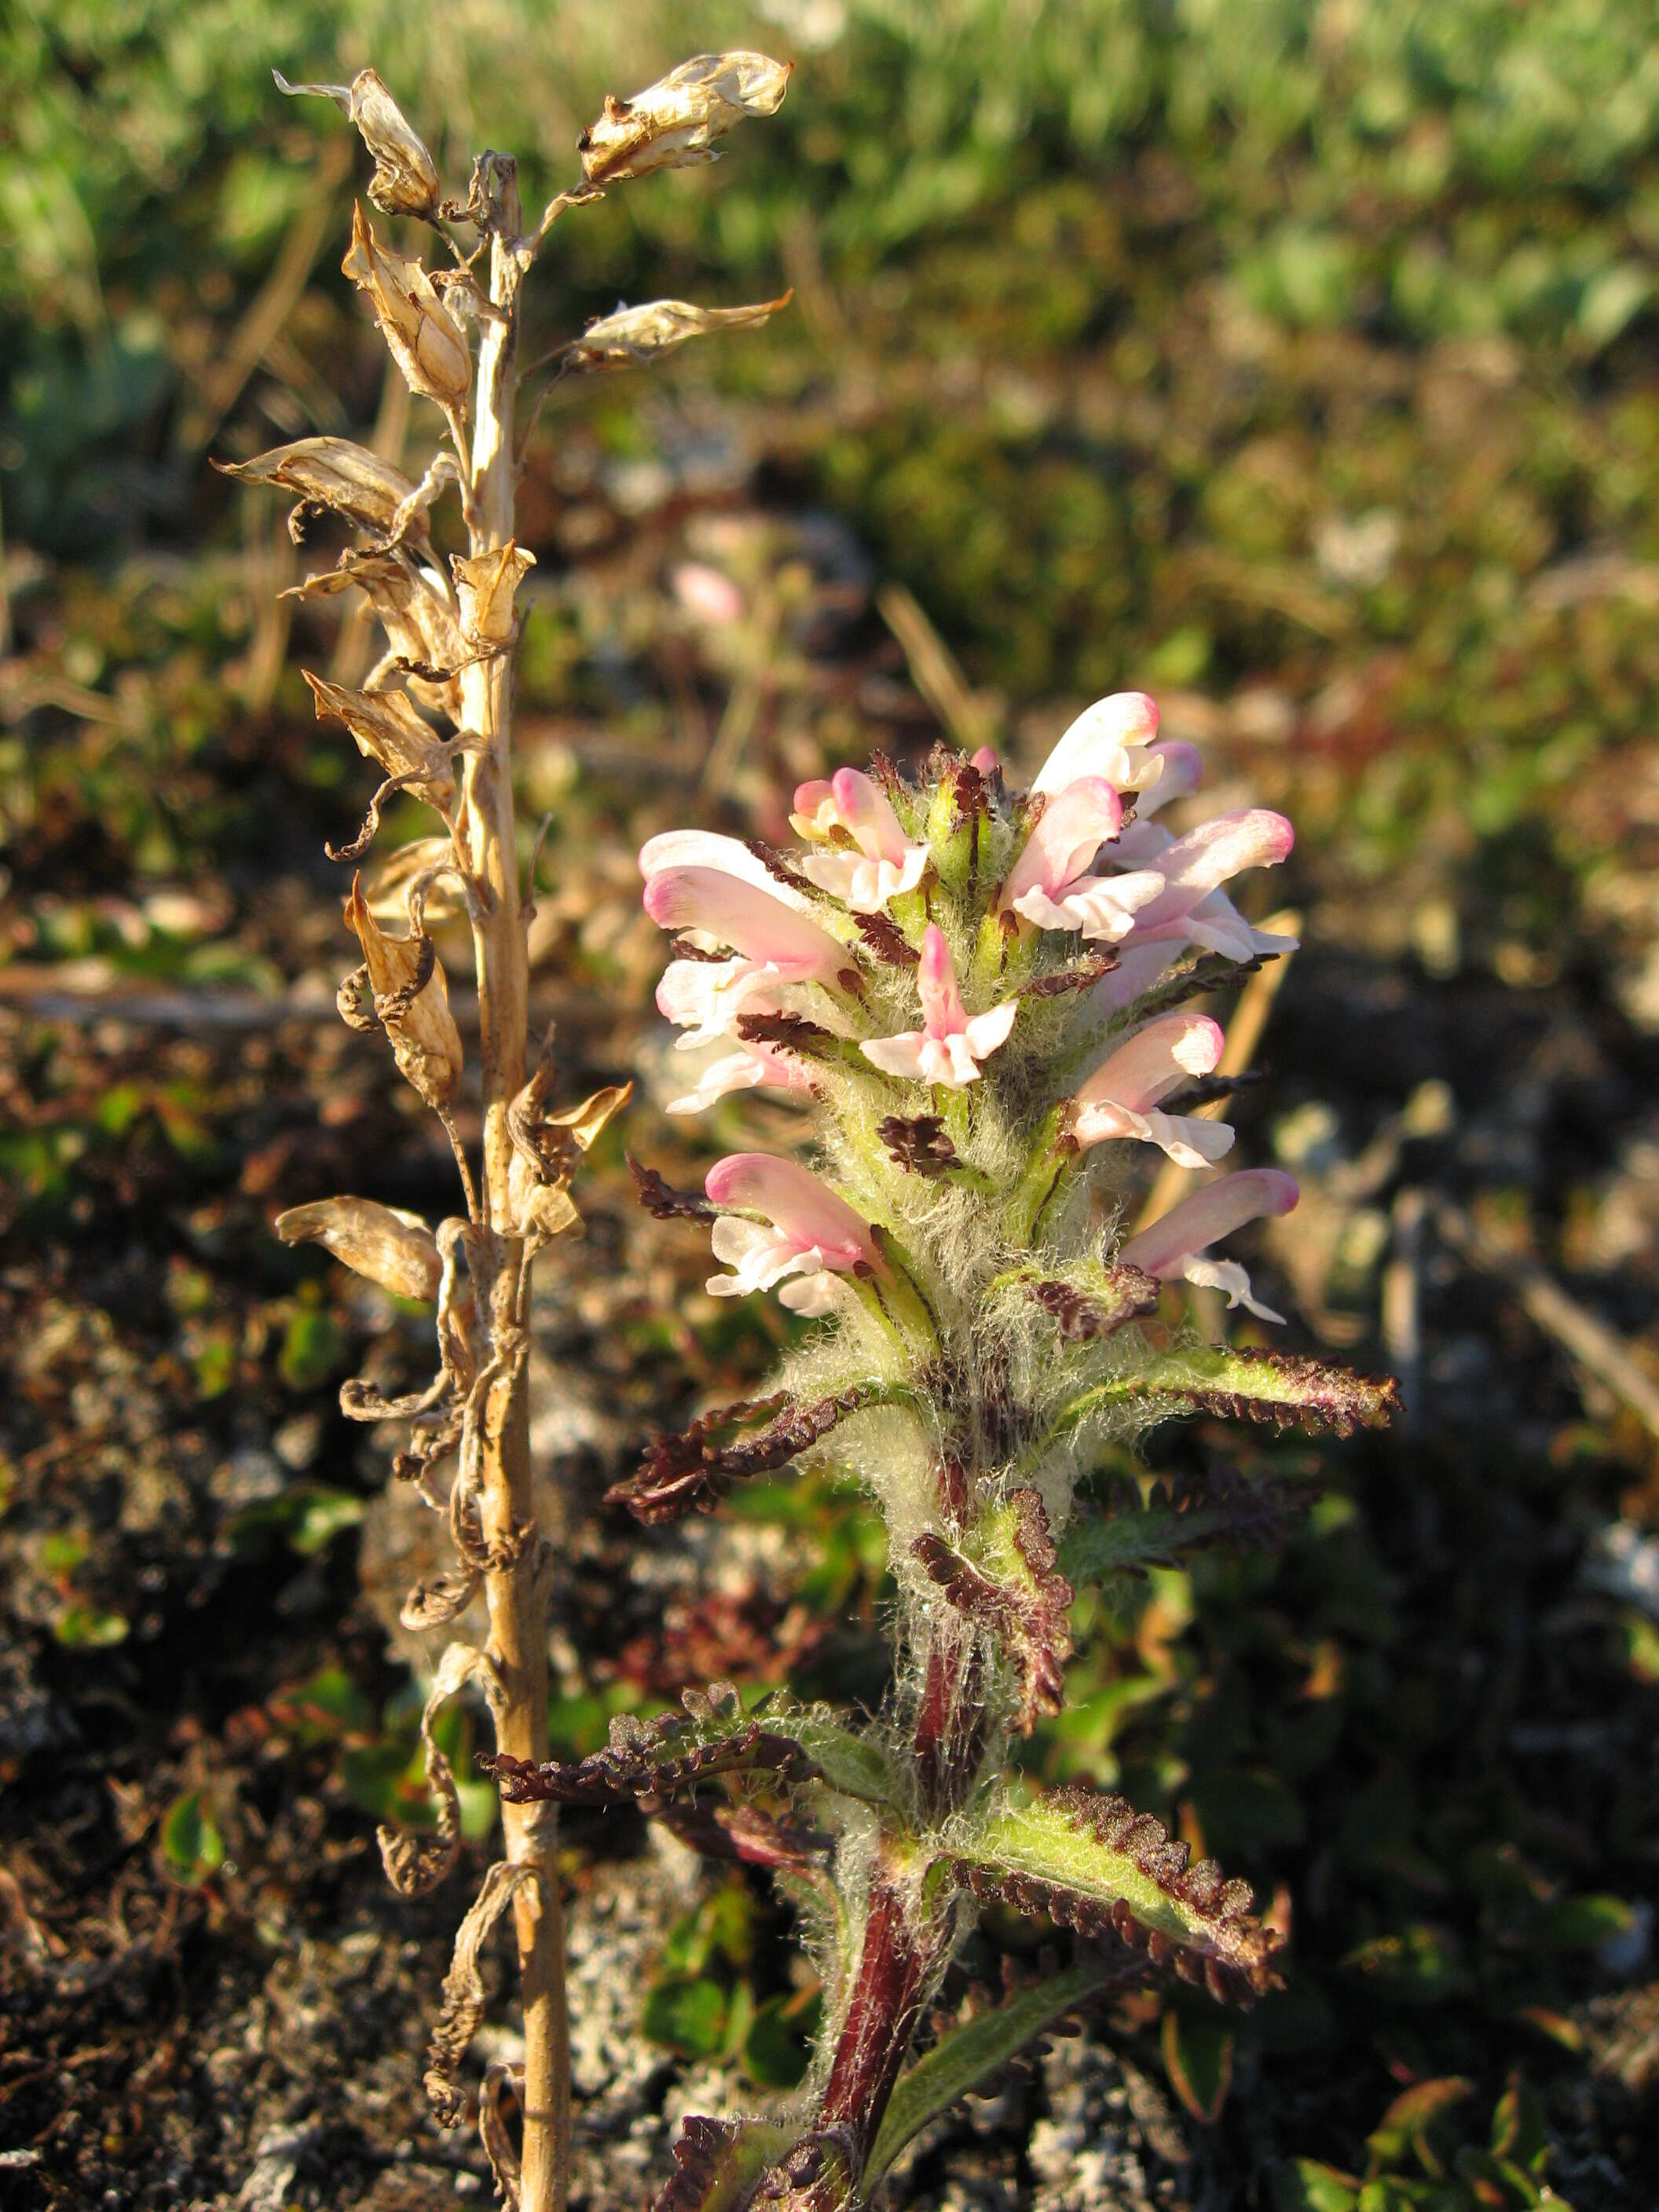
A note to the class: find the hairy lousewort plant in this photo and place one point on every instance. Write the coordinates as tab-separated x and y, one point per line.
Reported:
982	997
434	716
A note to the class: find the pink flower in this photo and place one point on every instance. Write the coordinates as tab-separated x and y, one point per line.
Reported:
807	1233
706	848
1098	743
984	759
717	887
757	925
1191	907
885	863
707	594
1048	884
751	1067
705	997
1171	1246
949	1049
1120	1098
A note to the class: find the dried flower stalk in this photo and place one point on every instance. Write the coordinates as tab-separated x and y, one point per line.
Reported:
451	646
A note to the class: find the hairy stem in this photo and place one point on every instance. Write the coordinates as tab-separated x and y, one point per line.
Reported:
514	1587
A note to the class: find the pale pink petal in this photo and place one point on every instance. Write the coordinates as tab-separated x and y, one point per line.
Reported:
752	921
1213	1212
1101	906
1147	1066
1095	743
899	1055
942	1009
986	1032
754	1067
799	1205
985	760
865	808
1189	1139
1227	1275
1194	865
1189	1142
813	1295
706	848
706	996
1072	828
866	885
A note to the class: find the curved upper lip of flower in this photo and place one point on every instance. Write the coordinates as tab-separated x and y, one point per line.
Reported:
1070	830
1096	743
797	1204
1210	1213
753	920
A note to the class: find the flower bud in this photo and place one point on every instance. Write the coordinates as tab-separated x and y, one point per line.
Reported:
426	343
485	586
669	126
412	1000
405	180
640	334
382	1244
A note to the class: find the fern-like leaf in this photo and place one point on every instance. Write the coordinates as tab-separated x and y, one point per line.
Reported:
1092	1864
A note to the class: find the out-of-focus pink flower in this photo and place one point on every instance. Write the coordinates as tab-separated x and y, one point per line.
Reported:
707	593
807	1236
1172	1246
949	1049
1099	743
1050	884
1191	907
885	863
753	1067
1121	1097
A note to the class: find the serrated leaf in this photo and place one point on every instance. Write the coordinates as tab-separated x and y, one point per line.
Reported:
1176	1518
1276	1387
1005	1580
1093	1864
968	2055
717	2162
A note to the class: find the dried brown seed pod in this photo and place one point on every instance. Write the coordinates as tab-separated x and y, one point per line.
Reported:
382	1244
405	180
425	340
412	1000
669	124
640	334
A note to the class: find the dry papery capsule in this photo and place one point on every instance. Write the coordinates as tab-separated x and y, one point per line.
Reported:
412	998
382	1244
669	126
425	340
405	180
640	334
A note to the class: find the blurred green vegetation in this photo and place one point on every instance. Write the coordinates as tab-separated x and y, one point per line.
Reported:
1309	347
